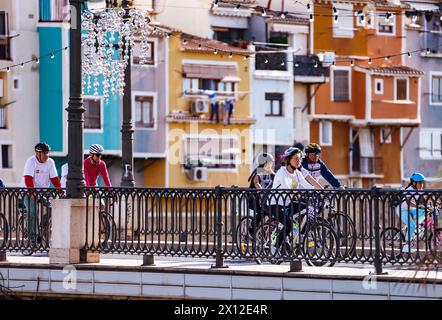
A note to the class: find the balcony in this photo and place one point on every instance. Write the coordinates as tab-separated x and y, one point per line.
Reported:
5	48
308	69
271	60
368	167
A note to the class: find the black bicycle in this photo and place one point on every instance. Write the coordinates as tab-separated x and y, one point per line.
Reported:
43	226
4	231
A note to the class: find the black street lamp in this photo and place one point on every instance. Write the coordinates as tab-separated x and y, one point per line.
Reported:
75	109
127	130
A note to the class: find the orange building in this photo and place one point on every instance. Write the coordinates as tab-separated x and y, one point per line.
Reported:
359	115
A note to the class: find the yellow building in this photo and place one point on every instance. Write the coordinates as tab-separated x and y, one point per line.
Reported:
202	152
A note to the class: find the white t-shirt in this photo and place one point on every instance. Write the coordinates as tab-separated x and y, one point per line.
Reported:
64	175
41	172
286	180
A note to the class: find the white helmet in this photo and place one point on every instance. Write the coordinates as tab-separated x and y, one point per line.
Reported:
96	149
265	157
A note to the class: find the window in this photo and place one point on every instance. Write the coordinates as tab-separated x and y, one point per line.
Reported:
386	135
6	156
436	89
144	113
325	133
344	27
3	118
365	19
16	84
228	35
384	26
4	41
136	54
401	89
92	115
209	84
216	152
273	104
279	37
226	87
430	143
190	85
341	85
378	86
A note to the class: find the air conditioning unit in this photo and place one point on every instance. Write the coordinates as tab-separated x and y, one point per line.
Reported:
327	58
199	106
198	174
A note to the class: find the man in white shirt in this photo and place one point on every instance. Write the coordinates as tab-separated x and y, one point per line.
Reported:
39	172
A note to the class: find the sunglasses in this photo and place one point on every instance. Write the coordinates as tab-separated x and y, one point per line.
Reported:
98	155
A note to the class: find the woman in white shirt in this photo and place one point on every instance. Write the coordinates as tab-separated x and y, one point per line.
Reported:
290	176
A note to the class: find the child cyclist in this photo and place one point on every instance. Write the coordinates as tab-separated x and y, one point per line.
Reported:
410	211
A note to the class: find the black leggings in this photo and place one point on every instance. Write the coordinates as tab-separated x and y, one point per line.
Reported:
283	214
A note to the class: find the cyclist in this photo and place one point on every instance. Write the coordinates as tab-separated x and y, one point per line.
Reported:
260	178
94	166
290	176
410	209
316	167
39	172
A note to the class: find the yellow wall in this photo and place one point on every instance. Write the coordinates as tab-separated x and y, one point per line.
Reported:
176	173
155	173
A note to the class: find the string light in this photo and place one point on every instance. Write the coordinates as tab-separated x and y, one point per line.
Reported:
414	18
199	46
230	55
37	61
215	3
428	51
52	56
316	64
333	64
387	17
386	58
335	19
22	65
282	63
263	12
296	65
284	14
311	18
215	51
8	69
409	54
237	7
335	10
369	61
352	63
309	9
185	41
266	61
168	35
245	57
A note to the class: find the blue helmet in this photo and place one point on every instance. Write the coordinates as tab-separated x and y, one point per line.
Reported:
417	177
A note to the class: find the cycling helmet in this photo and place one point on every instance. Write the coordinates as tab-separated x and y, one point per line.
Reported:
313	148
265	157
96	149
42	147
290	152
417	177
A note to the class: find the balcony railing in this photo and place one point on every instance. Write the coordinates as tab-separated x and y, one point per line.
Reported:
270	60
309	66
372	165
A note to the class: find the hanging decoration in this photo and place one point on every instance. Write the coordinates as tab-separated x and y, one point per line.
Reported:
107	42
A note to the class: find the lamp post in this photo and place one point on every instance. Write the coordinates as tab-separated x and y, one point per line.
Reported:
75	107
127	130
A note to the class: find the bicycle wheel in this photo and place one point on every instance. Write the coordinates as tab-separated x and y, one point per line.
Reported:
320	245
392	240
345	230
108	236
435	241
242	238
266	238
4	231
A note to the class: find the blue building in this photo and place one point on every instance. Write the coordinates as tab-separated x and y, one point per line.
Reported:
102	120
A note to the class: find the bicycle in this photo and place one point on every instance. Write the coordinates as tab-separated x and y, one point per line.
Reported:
43	227
108	227
426	232
4	231
315	234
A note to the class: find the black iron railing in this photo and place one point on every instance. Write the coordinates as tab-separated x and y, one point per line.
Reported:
321	227
25	219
